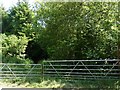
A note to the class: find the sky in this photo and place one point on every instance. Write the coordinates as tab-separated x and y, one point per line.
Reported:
8	3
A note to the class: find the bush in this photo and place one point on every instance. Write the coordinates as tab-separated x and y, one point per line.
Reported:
13	46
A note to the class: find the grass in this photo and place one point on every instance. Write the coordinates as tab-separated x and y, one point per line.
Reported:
32	83
57	83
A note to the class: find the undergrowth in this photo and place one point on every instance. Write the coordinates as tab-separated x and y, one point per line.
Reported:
60	83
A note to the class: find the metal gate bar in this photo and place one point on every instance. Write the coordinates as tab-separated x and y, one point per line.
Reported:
64	69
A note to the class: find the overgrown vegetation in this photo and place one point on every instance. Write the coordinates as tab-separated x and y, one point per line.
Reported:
57	83
66	30
72	30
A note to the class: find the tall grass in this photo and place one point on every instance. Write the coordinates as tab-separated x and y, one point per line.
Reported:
62	83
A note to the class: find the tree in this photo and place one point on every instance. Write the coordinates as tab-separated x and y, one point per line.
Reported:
79	30
19	19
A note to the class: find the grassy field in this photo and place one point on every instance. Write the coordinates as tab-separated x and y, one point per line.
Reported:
52	83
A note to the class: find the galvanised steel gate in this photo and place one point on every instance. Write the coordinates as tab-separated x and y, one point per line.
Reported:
64	69
82	69
12	70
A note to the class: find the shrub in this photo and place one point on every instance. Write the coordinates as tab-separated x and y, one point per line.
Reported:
13	46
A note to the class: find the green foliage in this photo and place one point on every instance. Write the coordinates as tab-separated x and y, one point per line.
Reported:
0	49
19	18
13	46
79	30
5	19
67	30
15	59
56	83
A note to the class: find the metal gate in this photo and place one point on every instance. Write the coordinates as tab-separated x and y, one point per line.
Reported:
12	70
63	69
82	69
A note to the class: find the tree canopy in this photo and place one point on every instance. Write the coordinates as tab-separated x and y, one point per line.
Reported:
80	30
68	30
